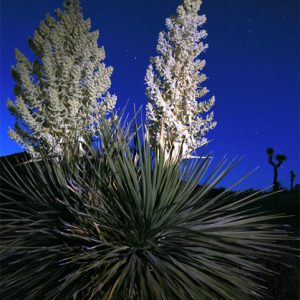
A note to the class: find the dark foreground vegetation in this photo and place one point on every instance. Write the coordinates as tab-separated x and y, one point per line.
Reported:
282	284
285	282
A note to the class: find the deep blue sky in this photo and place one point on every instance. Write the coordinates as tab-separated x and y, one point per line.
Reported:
252	65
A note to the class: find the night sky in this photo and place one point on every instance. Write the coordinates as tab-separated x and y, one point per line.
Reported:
252	65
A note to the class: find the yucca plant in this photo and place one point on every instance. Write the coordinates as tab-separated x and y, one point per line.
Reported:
125	223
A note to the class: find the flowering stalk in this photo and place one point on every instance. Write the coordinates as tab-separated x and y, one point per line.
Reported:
174	79
63	93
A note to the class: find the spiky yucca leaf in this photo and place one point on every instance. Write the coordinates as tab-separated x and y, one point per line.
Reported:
125	225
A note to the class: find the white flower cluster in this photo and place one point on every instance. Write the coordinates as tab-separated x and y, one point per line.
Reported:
63	93
175	82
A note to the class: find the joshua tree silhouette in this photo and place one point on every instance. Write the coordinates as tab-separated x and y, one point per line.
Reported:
293	175
280	159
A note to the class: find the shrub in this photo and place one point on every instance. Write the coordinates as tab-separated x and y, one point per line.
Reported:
125	223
